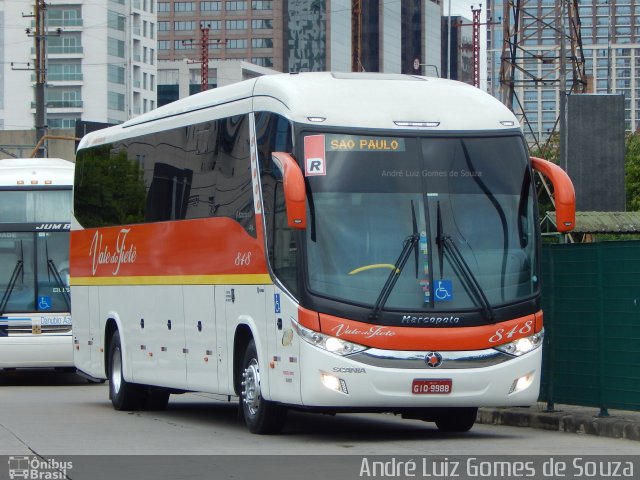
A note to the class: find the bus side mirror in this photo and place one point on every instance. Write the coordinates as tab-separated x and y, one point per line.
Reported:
294	190
565	195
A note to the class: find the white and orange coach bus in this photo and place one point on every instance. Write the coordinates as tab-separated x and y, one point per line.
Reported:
319	241
35	224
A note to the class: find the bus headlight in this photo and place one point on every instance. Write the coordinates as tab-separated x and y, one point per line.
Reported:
327	342
522	345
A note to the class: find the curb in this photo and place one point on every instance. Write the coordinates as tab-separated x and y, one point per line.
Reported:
580	422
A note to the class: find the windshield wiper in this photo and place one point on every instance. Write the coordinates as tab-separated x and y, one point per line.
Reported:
53	270
410	242
17	270
446	244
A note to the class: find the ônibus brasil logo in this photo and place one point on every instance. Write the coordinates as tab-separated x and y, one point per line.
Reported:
37	468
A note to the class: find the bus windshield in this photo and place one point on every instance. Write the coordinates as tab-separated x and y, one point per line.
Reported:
461	210
34	251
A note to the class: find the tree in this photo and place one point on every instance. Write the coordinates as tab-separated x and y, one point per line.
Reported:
549	151
632	172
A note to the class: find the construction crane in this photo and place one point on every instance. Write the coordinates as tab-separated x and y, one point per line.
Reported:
203	45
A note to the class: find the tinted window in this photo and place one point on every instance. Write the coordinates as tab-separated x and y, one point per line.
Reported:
190	172
273	134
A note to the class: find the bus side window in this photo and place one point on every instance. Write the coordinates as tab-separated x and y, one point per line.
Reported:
285	248
231	193
274	134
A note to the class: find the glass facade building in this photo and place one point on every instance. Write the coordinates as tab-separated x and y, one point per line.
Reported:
298	36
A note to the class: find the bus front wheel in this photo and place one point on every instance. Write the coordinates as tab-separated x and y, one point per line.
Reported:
456	419
260	415
124	395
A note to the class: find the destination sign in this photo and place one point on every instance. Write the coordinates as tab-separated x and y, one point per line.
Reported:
359	143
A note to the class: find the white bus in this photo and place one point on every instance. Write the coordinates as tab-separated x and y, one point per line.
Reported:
35	223
320	241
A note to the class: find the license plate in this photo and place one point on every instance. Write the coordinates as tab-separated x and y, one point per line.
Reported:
423	386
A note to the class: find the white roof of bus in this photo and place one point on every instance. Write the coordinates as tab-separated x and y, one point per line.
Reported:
56	171
363	100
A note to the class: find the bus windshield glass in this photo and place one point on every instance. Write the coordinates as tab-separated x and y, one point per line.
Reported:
34	250
460	211
20	206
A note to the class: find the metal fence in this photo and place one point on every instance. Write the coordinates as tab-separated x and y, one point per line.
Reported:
591	303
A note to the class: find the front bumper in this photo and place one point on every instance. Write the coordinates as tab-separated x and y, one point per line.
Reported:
36	351
377	385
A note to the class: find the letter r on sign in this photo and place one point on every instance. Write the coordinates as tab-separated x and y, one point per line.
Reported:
314	155
315	166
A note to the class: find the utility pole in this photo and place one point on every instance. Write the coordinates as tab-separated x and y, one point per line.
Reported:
476	45
41	73
449	41
40	68
39	34
356	36
475	36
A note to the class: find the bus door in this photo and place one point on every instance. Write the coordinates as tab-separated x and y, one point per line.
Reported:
281	308
201	337
224	348
95	335
285	375
87	339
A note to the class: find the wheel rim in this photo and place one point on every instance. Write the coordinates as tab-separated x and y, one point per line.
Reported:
251	387
116	370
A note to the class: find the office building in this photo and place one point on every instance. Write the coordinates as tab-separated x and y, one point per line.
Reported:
100	61
396	37
459	46
294	36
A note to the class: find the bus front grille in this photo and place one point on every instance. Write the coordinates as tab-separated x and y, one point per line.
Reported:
37	329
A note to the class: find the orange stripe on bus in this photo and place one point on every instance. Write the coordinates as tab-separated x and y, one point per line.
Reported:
201	247
309	319
425	338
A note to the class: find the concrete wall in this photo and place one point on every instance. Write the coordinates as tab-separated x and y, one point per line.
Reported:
20	143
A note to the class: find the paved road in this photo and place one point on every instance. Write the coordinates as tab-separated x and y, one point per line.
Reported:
52	414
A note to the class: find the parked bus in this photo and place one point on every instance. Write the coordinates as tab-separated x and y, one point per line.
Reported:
35	224
319	241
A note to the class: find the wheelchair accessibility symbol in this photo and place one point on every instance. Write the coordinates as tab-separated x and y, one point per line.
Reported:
44	303
443	291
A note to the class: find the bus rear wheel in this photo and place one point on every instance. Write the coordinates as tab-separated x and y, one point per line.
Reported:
456	419
261	416
123	395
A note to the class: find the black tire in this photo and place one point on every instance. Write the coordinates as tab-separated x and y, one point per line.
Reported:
123	395
156	399
456	419
261	416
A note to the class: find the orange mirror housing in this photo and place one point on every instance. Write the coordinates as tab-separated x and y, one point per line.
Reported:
564	193
294	190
